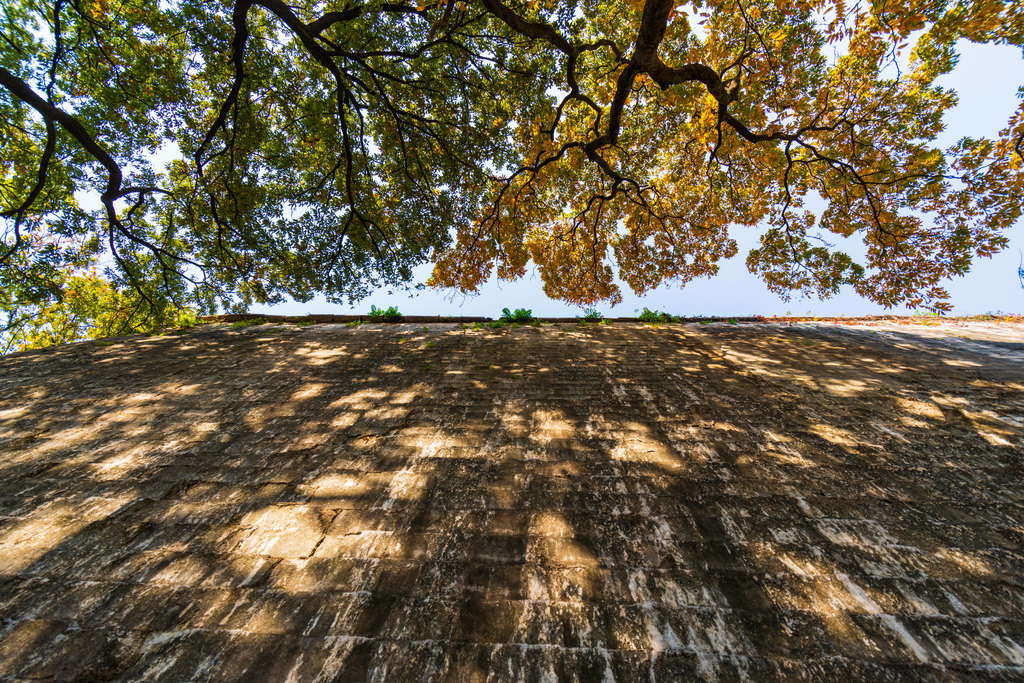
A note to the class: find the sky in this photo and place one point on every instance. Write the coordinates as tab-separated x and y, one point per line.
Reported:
986	79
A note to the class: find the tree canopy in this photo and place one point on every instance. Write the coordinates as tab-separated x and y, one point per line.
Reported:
331	146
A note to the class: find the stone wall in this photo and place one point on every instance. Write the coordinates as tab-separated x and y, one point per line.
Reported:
606	503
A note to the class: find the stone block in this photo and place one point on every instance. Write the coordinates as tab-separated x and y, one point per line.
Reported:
487	621
194	569
378	545
283	531
317	575
496	549
59	651
565	552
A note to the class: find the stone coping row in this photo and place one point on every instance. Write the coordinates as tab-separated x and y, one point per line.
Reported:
905	319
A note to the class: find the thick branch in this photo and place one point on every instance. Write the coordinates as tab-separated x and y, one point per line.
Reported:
529	29
19	213
443	21
320	25
52	114
24	92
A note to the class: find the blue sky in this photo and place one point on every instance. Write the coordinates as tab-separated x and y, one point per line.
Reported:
986	79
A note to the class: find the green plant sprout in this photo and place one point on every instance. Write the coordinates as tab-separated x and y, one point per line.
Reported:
389	315
239	324
521	315
651	317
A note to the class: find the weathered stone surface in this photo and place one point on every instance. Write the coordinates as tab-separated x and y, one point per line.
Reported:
601	503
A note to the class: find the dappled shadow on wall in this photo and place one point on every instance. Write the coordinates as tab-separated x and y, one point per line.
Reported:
581	502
